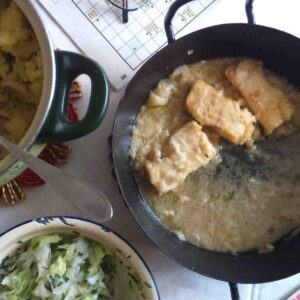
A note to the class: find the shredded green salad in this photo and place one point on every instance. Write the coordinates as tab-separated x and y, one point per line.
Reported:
60	267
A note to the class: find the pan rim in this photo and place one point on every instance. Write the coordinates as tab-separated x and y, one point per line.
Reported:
117	162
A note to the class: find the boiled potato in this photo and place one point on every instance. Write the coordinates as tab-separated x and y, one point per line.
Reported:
17	125
21	72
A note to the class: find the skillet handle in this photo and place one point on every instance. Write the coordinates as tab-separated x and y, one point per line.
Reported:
249	11
234	290
177	4
169	17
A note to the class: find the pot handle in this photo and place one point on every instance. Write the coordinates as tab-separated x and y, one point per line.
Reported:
70	65
177	4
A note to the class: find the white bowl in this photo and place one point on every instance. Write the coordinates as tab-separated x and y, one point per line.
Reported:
10	241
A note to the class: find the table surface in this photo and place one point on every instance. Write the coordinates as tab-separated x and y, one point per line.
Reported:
90	159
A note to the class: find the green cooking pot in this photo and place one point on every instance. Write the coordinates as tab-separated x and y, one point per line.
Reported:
50	123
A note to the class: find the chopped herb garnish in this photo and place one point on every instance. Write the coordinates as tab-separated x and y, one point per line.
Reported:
133	277
48	286
271	230
130	284
94	291
228	196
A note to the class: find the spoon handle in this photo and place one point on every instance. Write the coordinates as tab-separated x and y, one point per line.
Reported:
75	191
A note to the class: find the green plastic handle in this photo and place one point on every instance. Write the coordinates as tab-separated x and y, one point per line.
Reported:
57	127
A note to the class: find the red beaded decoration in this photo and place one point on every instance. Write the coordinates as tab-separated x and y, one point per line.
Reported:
72	113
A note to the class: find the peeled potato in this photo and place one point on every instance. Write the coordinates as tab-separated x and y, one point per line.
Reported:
21	73
17	126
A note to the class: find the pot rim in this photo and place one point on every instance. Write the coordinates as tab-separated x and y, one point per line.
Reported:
29	8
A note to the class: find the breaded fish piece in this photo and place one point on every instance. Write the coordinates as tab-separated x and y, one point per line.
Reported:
160	96
226	116
269	104
187	150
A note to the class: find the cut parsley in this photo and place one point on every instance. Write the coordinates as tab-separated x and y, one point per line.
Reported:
60	267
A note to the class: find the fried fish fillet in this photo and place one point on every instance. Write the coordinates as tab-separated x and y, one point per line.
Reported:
269	104
160	96
226	116
187	150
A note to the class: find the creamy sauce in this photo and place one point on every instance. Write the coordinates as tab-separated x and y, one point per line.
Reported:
245	198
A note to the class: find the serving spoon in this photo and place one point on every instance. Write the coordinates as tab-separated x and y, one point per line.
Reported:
83	196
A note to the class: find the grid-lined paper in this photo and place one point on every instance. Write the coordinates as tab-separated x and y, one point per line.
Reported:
124	47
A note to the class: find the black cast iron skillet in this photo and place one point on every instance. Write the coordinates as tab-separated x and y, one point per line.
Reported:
280	52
